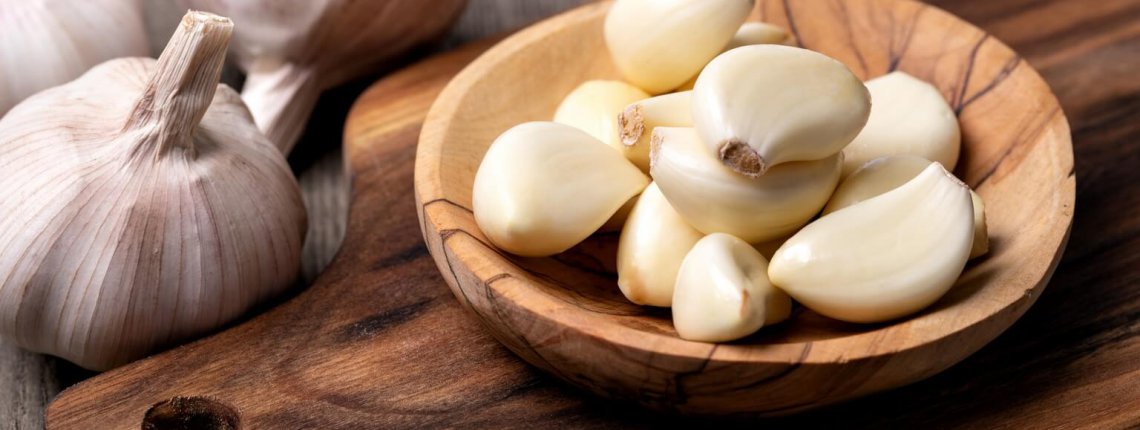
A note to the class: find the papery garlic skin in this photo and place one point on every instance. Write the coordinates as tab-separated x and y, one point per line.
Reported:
637	121
44	43
887	173
653	243
658	45
723	292
761	105
883	258
908	117
543	187
714	199
142	207
292	50
594	106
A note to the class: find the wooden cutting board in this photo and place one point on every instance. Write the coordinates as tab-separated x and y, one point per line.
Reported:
378	341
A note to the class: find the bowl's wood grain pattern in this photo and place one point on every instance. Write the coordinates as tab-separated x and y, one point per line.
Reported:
565	314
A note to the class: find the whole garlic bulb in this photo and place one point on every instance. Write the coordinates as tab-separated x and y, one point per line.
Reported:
44	43
294	49
142	207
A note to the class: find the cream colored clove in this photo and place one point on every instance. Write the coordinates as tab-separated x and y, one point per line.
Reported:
723	292
751	33
714	199
143	207
908	117
762	105
637	121
885	257
594	106
653	243
543	187
658	45
887	173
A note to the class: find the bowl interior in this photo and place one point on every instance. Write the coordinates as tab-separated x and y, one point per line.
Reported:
1016	154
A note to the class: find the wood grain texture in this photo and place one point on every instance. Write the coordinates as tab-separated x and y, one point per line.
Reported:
565	315
1070	362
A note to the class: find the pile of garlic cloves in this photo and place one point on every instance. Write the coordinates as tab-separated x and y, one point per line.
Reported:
142	206
759	174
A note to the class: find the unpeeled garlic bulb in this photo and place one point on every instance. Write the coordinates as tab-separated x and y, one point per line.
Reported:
44	43
294	49
887	173
142	207
653	243
594	106
908	117
637	121
723	292
714	199
658	45
543	187
883	258
761	105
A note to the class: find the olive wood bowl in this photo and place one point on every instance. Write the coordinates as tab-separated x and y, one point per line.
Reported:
565	314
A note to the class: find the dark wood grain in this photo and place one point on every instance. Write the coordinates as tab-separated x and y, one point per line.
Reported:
1073	360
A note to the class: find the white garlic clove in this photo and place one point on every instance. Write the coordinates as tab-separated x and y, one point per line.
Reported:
714	199
50	42
884	258
594	107
637	121
751	33
761	105
887	173
723	292
908	117
758	33
142	207
543	187
659	45
653	243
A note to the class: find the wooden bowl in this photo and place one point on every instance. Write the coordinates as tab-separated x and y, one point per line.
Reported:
566	315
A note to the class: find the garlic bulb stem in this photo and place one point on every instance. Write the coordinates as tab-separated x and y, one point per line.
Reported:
281	101
182	87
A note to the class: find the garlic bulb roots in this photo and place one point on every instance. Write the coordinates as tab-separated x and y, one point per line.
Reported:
142	207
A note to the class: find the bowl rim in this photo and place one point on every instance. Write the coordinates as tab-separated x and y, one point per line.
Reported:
829	351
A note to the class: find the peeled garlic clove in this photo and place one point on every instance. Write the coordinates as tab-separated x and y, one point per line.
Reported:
659	45
723	293
751	33
653	243
908	117
886	257
887	173
45	43
637	121
761	105
618	219
594	106
142	207
714	199
757	33
543	187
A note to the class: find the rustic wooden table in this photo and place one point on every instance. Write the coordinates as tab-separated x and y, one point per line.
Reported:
1073	360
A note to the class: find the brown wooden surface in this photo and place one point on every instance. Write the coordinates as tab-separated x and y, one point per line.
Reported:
1071	361
565	315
